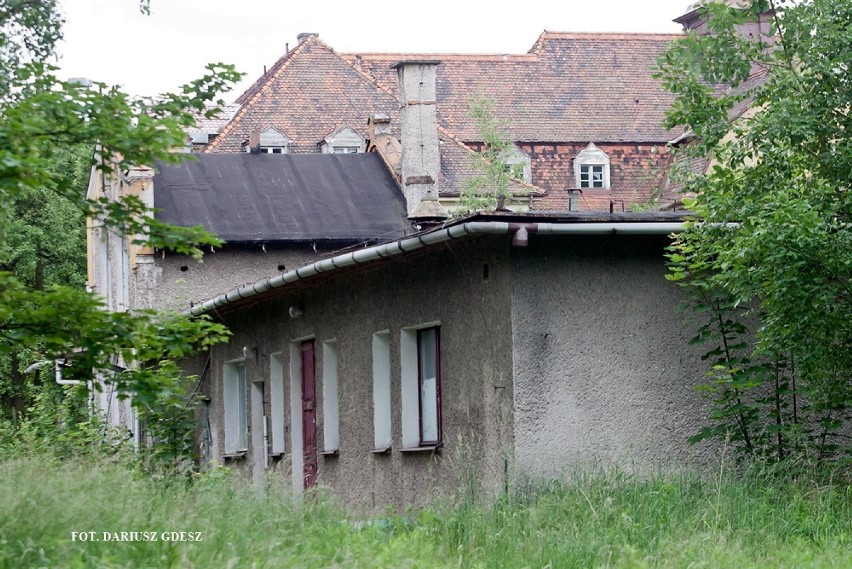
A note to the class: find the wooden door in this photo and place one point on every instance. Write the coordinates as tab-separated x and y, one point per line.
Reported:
309	413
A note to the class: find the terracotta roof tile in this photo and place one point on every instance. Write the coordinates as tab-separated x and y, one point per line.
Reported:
457	166
217	122
307	94
569	90
570	87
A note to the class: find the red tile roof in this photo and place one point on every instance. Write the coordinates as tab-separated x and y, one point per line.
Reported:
307	94
570	87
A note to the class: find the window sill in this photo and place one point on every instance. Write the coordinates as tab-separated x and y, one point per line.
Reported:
276	454
384	450
425	448
239	455
330	452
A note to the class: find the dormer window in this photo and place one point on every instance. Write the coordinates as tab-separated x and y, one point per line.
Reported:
519	157
591	168
591	176
270	141
344	140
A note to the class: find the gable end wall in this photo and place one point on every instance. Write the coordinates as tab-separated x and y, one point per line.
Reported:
603	373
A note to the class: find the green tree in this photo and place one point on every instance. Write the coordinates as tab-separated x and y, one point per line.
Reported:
44	122
493	171
774	250
44	240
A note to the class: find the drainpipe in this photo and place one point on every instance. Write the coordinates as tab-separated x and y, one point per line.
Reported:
58	363
420	241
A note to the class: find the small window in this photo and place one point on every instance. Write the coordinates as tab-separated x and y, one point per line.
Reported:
344	140
518	163
270	141
276	402
381	392
330	398
420	354
591	168
592	176
429	378
235	403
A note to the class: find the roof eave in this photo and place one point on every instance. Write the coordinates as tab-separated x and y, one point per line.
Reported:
464	227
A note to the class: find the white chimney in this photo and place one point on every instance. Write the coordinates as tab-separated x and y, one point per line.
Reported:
421	156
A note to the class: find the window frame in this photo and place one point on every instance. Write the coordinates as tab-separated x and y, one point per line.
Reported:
382	415
235	391
410	377
330	399
439	439
592	175
516	156
585	162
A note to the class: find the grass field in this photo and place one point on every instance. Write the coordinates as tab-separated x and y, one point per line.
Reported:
590	520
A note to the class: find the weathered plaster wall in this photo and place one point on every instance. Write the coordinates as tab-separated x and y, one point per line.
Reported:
603	372
178	279
449	286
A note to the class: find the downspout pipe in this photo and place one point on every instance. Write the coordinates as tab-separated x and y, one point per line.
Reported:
57	363
420	241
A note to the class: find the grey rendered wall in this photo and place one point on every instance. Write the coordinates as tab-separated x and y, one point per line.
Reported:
603	372
178	280
448	286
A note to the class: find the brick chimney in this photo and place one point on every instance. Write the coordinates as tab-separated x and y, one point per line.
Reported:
254	141
421	157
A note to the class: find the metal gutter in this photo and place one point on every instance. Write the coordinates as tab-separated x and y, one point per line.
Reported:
431	238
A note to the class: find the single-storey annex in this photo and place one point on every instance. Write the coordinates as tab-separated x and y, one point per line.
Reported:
507	344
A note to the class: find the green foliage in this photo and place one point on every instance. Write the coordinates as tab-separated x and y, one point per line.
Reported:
591	519
52	133
169	421
494	173
58	425
775	245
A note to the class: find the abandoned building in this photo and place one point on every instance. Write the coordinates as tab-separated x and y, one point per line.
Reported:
380	346
509	345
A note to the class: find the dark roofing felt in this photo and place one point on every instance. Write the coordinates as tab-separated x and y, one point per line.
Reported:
271	197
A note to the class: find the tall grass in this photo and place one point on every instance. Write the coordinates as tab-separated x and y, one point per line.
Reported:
606	519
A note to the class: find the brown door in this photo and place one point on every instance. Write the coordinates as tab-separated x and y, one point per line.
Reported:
309	413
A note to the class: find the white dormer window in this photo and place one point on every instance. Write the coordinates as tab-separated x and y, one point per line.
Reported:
517	156
272	141
591	176
343	141
591	168
345	149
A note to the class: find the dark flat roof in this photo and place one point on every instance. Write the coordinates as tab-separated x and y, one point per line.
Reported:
246	198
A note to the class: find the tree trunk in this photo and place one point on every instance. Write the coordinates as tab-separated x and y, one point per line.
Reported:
39	274
19	385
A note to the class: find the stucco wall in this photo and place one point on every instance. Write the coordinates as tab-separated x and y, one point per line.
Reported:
179	279
603	372
448	286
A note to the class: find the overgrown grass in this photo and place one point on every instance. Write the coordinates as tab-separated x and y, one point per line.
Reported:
607	519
